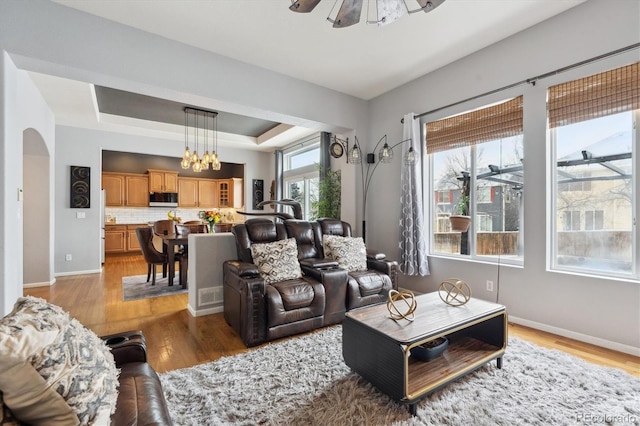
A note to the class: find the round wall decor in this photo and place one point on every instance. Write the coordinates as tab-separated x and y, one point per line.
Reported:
336	149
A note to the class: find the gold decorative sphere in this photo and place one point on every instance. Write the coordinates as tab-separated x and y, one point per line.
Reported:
409	301
456	292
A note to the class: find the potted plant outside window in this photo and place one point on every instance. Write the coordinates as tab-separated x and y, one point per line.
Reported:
460	219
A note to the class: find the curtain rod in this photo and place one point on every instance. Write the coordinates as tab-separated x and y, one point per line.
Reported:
533	80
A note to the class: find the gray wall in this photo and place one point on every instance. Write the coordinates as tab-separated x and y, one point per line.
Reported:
599	310
602	311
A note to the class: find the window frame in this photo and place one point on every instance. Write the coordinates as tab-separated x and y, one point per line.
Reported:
304	173
433	214
555	226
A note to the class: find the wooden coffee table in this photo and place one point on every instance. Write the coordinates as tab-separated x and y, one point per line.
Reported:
377	347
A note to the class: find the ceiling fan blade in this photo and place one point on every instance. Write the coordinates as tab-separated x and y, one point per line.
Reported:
390	10
429	5
304	6
349	14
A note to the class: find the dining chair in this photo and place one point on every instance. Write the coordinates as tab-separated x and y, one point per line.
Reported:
196	226
154	257
164	227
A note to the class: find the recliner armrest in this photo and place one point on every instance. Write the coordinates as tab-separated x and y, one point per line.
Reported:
242	269
126	347
373	254
318	263
389	267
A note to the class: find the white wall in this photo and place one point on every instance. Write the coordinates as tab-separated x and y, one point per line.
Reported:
21	108
602	311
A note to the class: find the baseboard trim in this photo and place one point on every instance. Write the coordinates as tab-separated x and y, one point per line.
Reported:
615	346
90	271
203	312
41	284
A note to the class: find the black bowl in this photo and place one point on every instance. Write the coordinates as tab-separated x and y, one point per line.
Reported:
430	350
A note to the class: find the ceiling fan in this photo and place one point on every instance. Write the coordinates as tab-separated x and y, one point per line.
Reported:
350	10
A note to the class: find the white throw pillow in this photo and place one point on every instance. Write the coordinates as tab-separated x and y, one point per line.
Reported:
349	252
53	370
277	261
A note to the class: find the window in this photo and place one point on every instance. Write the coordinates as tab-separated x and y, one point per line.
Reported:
443	197
301	176
593	220
478	154
592	129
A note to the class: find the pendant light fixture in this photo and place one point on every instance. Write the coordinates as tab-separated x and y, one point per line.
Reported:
200	126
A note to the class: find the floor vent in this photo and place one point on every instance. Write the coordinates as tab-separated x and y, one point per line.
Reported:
209	295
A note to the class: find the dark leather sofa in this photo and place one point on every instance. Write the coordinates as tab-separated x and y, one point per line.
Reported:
140	396
261	312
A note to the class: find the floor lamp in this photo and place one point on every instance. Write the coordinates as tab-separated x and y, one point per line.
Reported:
385	155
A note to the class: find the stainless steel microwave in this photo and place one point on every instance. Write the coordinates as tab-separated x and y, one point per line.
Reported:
163	199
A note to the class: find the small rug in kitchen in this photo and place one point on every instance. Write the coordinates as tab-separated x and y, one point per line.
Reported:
137	287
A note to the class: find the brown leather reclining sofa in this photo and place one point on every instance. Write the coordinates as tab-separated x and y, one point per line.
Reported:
259	311
140	396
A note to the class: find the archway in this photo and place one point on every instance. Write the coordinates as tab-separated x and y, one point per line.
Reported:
37	212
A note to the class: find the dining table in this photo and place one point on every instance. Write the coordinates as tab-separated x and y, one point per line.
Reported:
169	242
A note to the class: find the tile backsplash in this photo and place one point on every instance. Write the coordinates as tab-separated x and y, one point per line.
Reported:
149	214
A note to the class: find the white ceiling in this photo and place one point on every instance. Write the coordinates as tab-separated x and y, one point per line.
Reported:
362	60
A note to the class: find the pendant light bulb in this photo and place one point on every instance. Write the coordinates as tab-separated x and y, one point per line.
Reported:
185	163
386	154
355	155
410	157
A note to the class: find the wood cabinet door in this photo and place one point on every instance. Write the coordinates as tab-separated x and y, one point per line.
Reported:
163	181
171	182
208	193
224	193
187	192
113	186
137	191
132	239
156	182
114	241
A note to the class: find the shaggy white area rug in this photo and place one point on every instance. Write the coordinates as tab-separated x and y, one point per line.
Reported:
304	381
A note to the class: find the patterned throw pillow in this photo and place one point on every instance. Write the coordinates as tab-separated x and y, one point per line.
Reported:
53	370
277	261
349	252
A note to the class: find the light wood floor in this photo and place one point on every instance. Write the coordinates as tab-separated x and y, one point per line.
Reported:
175	339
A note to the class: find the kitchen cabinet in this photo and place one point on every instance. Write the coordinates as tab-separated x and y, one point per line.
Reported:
163	181
114	187
132	238
137	191
125	189
121	238
115	238
188	192
208	193
194	192
230	193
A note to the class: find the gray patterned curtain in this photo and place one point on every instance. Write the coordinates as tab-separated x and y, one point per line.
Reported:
413	247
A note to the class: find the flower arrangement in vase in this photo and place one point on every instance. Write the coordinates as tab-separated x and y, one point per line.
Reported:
211	217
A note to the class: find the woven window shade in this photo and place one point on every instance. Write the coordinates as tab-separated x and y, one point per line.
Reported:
483	125
599	95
